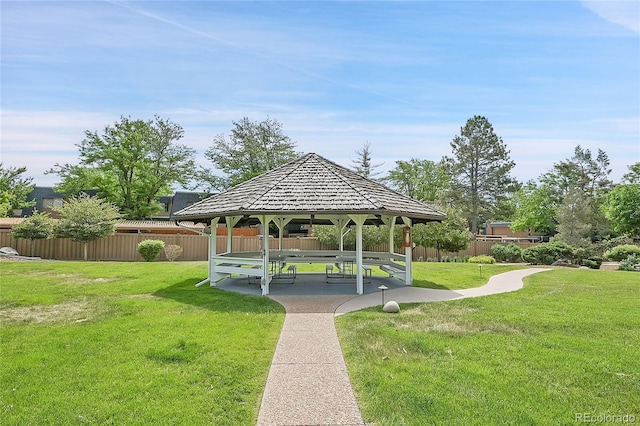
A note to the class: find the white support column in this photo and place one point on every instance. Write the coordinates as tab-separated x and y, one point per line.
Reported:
281	222
266	277
212	237
408	254
213	248
390	221
231	221
359	220
341	223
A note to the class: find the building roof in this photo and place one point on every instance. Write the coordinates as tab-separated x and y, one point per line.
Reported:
311	186
123	225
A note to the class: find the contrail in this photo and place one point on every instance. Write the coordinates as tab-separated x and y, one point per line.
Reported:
251	52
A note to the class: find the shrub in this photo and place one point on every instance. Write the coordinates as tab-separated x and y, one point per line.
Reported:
482	259
609	243
592	262
172	252
547	253
622	252
150	249
629	263
507	253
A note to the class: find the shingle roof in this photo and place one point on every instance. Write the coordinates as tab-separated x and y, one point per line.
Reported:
310	185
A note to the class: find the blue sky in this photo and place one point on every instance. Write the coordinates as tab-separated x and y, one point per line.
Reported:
401	76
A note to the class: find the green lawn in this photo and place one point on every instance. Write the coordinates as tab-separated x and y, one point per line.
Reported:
136	343
438	275
130	343
564	346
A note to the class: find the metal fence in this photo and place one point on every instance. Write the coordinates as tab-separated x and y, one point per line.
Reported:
123	247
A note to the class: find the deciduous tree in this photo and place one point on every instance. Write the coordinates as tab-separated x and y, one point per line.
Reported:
622	208
423	180
130	164
535	209
14	189
251	149
84	219
38	226
452	235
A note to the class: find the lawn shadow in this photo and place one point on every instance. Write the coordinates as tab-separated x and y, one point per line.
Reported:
217	300
429	284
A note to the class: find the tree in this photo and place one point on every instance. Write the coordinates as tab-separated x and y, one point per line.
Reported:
573	219
130	164
479	169
450	236
423	180
371	236
535	209
362	165
14	189
84	218
588	175
633	176
38	226
251	149
622	208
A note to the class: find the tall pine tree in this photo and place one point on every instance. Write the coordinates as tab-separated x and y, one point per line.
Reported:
479	170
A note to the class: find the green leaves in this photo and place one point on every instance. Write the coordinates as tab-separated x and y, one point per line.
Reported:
252	149
130	164
622	208
84	218
14	189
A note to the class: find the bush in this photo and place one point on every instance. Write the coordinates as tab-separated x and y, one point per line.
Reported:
629	263
507	253
150	249
172	252
592	262
482	259
622	252
547	253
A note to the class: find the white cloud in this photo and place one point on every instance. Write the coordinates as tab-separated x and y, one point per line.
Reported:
625	12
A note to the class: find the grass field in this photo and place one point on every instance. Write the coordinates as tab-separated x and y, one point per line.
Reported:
448	276
136	343
565	346
130	343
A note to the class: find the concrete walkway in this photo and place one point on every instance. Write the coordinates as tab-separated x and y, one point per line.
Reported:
308	383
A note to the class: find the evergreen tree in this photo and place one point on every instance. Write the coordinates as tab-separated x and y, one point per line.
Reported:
479	170
362	165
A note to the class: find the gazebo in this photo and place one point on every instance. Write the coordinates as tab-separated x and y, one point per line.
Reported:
309	190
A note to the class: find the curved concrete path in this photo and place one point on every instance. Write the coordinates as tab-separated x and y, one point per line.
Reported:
308	383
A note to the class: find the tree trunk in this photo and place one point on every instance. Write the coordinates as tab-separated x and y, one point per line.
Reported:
85	251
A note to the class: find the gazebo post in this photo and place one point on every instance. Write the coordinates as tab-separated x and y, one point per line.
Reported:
359	220
213	249
266	277
408	254
341	223
390	221
231	221
281	222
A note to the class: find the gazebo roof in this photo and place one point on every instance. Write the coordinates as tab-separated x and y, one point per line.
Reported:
311	187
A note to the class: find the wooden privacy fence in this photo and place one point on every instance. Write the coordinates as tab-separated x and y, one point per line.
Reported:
123	247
